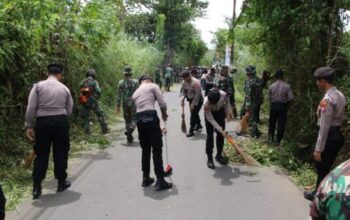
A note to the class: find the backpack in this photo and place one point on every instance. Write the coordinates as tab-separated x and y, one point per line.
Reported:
86	91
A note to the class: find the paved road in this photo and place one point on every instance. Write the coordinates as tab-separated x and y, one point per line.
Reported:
107	185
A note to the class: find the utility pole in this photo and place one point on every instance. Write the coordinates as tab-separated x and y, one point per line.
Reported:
233	32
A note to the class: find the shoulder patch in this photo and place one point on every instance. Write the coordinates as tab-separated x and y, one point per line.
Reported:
323	105
206	108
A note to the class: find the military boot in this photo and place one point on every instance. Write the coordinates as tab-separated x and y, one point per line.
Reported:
219	158
310	195
36	190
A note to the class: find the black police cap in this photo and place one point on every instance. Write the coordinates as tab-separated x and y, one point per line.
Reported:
145	77
214	96
324	72
55	68
185	73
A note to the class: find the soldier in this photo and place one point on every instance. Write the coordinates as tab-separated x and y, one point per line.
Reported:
127	87
158	77
331	200
192	91
330	112
280	94
217	107
90	88
50	102
2	204
150	133
168	76
209	81
252	97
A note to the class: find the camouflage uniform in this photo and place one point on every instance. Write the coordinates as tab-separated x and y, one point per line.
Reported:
168	75
158	77
126	88
332	197
252	99
92	104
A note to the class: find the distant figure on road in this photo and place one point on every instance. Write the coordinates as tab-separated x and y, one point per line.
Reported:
158	77
150	133
2	204
217	107
330	112
127	87
280	94
90	94
332	197
192	91
169	72
50	103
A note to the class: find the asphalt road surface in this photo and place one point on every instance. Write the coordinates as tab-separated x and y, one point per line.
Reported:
106	185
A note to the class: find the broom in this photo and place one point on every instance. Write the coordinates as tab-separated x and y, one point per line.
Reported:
183	123
29	159
168	169
246	157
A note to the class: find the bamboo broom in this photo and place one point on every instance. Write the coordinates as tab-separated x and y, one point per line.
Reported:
250	161
183	123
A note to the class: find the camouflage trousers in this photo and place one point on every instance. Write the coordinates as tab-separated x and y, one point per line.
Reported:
129	117
99	113
253	124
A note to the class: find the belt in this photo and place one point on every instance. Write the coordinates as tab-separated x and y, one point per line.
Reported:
146	116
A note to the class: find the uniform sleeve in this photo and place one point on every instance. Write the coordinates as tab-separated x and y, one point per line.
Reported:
119	94
198	93
183	90
325	123
228	107
248	97
209	116
270	93
69	105
159	97
31	108
97	88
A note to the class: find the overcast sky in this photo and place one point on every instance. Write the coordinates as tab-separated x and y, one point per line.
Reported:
217	11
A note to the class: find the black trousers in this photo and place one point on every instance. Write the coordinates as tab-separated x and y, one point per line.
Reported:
219	117
2	204
257	113
278	113
334	144
195	119
150	137
51	130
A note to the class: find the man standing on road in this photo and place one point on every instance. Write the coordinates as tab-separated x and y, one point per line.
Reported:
217	107
280	94
252	97
90	88
2	204
158	77
150	133
50	102
330	112
168	77
192	91
127	87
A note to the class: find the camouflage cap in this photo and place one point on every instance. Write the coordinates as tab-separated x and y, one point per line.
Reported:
127	70
324	72
91	72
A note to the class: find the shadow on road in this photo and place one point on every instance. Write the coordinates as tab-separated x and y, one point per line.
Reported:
159	195
57	199
227	173
133	144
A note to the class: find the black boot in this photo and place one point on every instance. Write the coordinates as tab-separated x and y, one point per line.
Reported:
161	184
310	195
36	190
63	185
210	162
147	180
219	158
198	127
190	134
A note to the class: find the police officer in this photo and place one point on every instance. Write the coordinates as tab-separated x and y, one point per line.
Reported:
252	98
217	107
330	112
150	133
92	90
280	94
50	103
2	204
192	91
127	87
